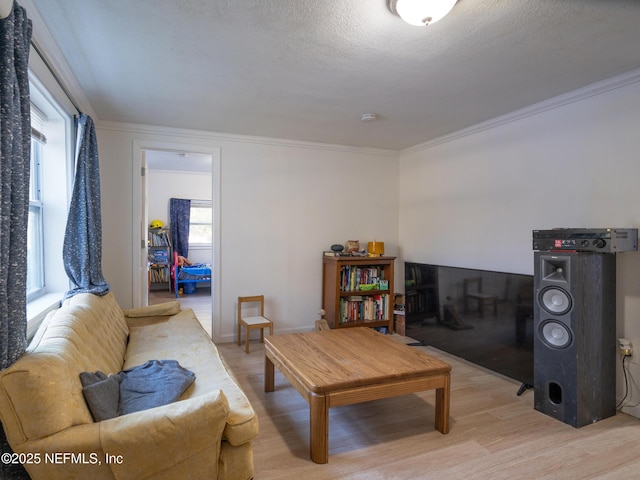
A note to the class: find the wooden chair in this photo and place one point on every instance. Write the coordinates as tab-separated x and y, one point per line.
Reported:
253	322
473	290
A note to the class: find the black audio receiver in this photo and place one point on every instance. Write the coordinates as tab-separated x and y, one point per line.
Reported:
602	240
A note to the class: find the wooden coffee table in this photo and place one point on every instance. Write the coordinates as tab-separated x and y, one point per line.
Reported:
352	365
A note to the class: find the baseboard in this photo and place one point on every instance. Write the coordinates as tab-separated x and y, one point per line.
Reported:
255	334
633	411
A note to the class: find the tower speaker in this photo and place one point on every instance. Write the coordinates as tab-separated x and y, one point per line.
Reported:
574	342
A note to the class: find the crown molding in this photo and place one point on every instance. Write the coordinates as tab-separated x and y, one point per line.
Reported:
217	137
599	88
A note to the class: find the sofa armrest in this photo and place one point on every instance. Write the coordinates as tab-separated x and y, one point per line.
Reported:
161	438
166	308
74	452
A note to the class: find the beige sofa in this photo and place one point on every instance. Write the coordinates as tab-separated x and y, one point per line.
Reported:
207	434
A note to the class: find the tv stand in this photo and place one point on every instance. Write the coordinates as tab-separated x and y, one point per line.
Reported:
523	388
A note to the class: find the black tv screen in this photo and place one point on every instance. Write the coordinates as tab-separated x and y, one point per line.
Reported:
482	316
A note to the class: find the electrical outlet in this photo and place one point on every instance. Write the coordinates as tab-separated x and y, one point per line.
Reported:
624	346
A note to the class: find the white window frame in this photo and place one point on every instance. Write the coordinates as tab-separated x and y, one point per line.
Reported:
35	246
57	168
201	204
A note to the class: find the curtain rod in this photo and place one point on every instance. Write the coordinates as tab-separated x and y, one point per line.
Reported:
55	77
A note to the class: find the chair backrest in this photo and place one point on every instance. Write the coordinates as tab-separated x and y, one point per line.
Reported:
255	298
469	282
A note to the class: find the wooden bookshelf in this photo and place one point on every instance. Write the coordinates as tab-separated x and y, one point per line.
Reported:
345	303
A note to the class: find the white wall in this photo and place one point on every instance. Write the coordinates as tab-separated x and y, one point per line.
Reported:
165	184
282	204
474	201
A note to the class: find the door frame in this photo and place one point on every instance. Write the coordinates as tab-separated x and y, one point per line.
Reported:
139	225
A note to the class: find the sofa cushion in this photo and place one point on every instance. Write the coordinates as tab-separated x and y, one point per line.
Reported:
166	308
183	338
95	329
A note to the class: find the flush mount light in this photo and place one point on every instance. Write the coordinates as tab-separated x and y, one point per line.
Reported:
368	117
421	12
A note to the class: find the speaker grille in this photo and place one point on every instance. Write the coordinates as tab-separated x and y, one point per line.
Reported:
555	334
555	300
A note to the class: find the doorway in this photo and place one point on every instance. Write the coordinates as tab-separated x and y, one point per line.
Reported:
187	172
183	175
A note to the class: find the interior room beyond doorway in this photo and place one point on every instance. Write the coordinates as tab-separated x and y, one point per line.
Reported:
188	176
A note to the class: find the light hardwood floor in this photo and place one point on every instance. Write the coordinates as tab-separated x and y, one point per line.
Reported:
494	433
200	302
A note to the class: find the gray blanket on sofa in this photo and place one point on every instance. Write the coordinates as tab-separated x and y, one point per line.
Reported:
155	383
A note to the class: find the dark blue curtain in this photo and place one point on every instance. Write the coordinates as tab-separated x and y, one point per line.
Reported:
82	248
15	152
179	217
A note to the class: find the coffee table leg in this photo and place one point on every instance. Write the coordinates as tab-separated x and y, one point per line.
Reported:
268	375
442	406
319	428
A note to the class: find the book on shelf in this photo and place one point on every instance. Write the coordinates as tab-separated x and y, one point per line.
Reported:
159	239
357	308
352	276
160	275
160	256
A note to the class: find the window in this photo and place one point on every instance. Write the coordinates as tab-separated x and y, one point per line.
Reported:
35	237
200	223
51	178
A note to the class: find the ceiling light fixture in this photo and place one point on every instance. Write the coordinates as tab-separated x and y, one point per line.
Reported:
421	12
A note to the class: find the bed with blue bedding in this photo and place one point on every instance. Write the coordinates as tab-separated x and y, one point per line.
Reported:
190	275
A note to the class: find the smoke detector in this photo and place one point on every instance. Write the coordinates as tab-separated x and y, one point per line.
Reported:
368	117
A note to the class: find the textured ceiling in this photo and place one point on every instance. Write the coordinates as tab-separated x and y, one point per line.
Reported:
308	69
